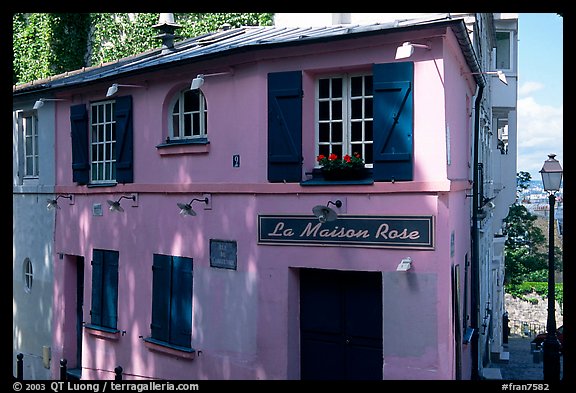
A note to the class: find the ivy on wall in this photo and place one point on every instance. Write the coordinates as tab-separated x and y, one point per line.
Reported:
46	44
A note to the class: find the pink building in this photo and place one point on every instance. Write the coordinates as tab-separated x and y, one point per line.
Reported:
189	248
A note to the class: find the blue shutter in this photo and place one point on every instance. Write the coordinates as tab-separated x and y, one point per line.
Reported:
124	140
160	297
285	126
110	290
181	304
97	274
393	121
79	134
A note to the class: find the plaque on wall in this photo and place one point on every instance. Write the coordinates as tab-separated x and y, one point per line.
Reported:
223	254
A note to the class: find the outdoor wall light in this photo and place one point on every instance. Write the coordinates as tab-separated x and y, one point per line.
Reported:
40	103
53	203
199	80
186	208
407	48
114	88
501	75
325	213
114	206
404	265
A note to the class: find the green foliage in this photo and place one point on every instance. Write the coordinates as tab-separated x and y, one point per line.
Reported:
46	44
541	288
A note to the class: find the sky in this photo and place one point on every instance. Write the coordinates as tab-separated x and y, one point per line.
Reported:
540	91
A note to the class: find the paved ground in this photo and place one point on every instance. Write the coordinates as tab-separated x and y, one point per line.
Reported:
522	365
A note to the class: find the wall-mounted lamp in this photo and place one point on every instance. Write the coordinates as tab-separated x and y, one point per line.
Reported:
40	103
186	208
114	88
406	49
199	80
501	75
53	203
114	206
404	265
325	213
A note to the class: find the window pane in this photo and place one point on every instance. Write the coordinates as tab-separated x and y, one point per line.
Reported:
503	50
324	132
368	135
356	87
324	110
356	131
336	132
336	88
324	150
324	88
368	154
356	109
187	125
176	108
175	126
100	117
368	106
337	149
336	110
29	167
190	101
368	85
196	124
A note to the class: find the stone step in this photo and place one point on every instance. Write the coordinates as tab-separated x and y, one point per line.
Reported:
491	373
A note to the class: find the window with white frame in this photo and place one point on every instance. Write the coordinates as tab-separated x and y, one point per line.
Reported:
188	116
102	142
29	133
504	50
344	116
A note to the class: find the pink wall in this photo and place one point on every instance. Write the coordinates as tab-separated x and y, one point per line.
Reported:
245	321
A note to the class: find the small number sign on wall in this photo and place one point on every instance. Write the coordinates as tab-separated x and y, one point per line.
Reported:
236	161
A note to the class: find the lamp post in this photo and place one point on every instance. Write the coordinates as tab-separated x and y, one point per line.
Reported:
551	179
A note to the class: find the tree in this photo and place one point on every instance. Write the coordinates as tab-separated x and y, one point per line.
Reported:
46	44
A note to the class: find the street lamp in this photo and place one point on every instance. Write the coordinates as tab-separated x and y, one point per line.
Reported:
551	178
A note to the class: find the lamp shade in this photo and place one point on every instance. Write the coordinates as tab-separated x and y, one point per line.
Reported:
551	174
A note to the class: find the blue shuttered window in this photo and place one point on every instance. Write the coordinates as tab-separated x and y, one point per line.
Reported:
393	121
82	158
285	126
172	300
104	307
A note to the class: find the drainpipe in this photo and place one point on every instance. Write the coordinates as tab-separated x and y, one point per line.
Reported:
475	260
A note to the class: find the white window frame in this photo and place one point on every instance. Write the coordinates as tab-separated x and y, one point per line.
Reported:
346	143
188	133
29	151
105	148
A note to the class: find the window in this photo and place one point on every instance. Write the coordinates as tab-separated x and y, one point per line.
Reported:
372	114
104	310
344	116
171	301
503	50
28	275
102	142
28	125
188	116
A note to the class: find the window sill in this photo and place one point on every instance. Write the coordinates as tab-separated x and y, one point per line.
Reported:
103	332
160	346
193	146
319	180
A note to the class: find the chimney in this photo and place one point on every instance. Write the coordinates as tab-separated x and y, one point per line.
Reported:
166	26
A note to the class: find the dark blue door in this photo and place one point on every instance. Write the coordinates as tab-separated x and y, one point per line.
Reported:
340	325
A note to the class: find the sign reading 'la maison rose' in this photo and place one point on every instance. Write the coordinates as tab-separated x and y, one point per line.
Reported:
414	232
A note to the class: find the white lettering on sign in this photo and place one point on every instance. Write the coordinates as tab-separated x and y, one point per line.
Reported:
385	232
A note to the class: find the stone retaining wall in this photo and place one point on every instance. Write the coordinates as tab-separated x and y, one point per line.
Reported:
528	318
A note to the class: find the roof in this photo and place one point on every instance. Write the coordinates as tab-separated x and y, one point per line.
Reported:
227	42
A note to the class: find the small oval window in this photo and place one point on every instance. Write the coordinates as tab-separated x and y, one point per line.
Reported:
28	275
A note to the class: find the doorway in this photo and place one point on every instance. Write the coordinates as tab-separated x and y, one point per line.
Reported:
340	325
